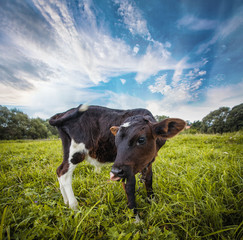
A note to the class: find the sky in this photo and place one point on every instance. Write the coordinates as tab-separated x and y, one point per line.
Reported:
176	58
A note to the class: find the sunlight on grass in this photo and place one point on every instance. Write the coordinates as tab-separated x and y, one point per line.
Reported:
197	185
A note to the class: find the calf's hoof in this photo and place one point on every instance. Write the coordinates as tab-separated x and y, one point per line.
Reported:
74	205
137	219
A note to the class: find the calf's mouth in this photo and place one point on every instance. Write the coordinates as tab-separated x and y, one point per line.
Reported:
113	177
119	172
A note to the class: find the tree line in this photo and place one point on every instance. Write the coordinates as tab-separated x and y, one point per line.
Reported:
220	121
15	124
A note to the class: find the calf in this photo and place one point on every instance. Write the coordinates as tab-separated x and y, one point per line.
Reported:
129	138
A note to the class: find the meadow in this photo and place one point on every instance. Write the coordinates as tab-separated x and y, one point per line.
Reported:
197	183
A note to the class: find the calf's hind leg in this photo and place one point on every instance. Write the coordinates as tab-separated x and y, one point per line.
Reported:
61	171
65	172
65	182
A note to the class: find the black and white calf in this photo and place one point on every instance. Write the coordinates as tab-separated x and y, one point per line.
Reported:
129	138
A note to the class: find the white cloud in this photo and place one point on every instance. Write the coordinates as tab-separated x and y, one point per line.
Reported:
180	66
182	89
156	58
52	98
160	85
223	30
132	18
123	81
196	24
92	56
229	96
12	96
77	58
215	98
201	73
136	49
124	101
195	73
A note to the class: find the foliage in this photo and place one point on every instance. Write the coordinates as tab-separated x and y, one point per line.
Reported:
215	122
197	185
14	124
219	121
160	118
235	118
196	125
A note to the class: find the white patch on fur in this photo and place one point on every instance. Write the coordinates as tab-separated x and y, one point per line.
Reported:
80	148
83	108
65	182
75	148
127	124
95	163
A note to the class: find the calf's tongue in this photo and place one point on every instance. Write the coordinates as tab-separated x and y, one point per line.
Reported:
113	177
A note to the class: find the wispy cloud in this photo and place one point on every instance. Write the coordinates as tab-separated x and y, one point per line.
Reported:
215	98
194	23
132	18
223	30
182	89
123	81
160	85
156	58
72	54
60	50
124	101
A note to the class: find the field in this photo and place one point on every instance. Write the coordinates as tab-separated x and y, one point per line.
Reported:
197	184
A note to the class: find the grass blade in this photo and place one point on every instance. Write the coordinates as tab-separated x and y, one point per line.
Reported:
83	219
2	222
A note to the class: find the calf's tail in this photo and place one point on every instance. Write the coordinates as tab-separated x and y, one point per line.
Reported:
59	118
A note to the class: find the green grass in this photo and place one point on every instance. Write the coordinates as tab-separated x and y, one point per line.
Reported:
197	184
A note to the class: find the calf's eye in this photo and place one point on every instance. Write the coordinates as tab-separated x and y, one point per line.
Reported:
141	141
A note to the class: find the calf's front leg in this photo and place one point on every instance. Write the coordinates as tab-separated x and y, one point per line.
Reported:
129	188
148	178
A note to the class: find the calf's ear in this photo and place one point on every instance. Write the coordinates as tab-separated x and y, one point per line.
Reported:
114	130
168	128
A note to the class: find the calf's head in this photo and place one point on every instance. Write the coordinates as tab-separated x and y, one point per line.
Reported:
136	146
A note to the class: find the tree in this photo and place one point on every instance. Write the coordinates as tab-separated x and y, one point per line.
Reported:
14	124
235	118
52	131
37	129
4	119
160	118
196	125
215	122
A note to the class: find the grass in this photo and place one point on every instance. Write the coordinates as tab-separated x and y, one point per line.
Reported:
197	184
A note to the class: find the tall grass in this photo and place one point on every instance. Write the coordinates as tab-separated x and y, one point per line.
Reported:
197	184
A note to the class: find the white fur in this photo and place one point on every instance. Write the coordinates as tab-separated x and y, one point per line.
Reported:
127	124
65	181
83	108
75	148
95	163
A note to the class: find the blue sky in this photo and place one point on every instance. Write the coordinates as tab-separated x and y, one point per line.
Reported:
175	58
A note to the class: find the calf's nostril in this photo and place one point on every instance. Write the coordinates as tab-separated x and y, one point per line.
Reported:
117	171
120	173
